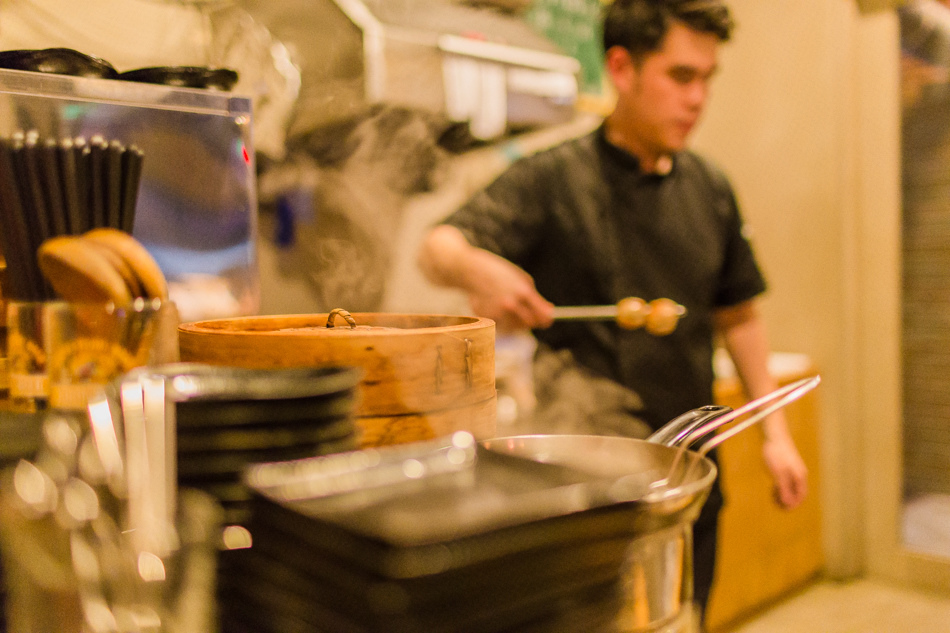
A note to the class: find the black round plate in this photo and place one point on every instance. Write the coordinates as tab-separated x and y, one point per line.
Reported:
194	467
184	77
308	411
215	396
251	438
58	61
202	381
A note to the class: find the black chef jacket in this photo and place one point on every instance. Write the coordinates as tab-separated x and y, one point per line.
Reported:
591	229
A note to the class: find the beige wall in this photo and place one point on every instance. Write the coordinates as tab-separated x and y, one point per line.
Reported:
806	119
788	122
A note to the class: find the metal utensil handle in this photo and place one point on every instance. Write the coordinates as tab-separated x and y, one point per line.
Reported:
782	396
679	428
778	399
585	313
774	401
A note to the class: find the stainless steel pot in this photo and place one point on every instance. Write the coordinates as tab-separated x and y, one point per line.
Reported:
659	568
671	483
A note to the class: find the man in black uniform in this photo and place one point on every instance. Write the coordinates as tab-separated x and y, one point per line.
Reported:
627	211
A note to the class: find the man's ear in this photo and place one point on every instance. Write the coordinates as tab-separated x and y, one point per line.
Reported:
621	67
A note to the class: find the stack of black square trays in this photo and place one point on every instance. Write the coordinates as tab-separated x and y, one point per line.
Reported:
435	537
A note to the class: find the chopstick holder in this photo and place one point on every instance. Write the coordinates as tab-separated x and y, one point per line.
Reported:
60	187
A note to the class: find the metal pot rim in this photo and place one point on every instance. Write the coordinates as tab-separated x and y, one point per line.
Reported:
700	484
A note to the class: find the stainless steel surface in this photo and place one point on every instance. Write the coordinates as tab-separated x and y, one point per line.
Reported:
659	576
469	539
668	478
402	53
658	579
79	552
197	206
367	469
677	429
585	313
95	535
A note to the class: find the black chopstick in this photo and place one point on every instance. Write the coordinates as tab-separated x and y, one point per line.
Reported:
97	169
22	275
71	203
35	224
60	187
131	175
81	154
29	174
113	173
52	187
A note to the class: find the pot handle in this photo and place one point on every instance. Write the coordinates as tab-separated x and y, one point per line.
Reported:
756	410
679	428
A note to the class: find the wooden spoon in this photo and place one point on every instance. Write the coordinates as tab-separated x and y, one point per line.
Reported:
139	260
78	272
122	267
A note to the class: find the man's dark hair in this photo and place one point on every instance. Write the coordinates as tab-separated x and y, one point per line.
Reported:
640	25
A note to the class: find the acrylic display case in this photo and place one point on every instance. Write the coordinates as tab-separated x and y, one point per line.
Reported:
197	204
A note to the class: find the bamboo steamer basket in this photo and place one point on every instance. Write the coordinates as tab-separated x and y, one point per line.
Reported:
424	376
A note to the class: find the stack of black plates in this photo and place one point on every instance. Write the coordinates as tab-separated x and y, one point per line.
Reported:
419	539
228	418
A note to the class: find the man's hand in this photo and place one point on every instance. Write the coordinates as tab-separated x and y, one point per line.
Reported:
496	288
789	473
505	293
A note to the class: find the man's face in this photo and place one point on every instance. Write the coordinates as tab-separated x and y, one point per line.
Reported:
660	99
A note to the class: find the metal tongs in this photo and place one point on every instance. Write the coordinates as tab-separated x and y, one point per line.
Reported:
760	408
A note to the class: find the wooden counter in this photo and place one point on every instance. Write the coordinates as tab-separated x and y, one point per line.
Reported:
765	552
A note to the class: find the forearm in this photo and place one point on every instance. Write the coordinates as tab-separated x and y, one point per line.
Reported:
444	257
496	288
447	259
744	335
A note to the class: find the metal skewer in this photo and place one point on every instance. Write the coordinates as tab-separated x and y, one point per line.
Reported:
659	316
585	313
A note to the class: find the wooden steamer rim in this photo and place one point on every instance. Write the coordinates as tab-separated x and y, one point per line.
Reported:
416	367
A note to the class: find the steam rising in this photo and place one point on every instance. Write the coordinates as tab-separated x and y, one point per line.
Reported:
358	176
